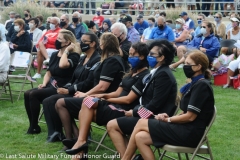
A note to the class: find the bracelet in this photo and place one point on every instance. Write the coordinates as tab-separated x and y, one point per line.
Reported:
169	120
66	53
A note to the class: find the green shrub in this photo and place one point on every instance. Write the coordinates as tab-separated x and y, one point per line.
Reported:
34	8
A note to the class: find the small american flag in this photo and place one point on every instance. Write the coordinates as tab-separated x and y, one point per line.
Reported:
54	83
144	113
114	108
45	40
90	101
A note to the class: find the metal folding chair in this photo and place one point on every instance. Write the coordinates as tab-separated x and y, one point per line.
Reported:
4	90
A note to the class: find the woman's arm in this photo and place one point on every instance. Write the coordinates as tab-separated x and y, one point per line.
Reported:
228	34
182	118
221	31
182	37
64	63
125	99
46	79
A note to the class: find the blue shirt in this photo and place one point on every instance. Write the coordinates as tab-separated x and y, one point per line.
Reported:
189	23
141	27
79	30
133	35
166	33
197	31
147	32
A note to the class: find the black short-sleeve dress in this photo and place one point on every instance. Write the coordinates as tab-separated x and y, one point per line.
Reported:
129	83
199	99
110	70
62	75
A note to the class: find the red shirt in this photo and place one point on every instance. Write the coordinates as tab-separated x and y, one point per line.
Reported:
98	20
50	38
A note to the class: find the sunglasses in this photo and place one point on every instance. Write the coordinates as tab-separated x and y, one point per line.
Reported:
216	17
203	27
47	21
199	19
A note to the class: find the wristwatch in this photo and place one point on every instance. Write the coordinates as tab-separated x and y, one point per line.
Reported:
66	53
169	120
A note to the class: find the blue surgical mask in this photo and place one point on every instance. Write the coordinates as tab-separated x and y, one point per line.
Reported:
203	31
178	26
134	61
152	61
98	13
150	24
216	19
199	22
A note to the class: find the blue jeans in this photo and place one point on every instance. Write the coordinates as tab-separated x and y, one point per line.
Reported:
206	6
221	5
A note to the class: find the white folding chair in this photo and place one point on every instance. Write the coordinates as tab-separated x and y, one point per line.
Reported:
23	61
200	149
4	90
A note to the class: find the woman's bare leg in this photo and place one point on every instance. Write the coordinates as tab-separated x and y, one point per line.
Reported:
143	141
142	125
117	137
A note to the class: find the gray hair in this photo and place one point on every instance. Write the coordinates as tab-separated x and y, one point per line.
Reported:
122	28
67	16
162	18
202	15
56	19
78	14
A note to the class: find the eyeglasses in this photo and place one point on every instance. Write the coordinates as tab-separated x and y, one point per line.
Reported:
203	27
85	41
62	20
47	21
216	17
199	19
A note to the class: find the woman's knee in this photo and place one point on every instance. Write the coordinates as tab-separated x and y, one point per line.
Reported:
112	125
59	104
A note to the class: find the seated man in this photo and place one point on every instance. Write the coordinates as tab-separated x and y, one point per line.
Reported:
133	34
78	25
189	23
4	60
206	42
114	5
46	45
148	31
162	31
140	25
137	5
58	4
64	24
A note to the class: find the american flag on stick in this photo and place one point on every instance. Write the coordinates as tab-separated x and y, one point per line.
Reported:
54	83
114	108
144	113
90	101
45	40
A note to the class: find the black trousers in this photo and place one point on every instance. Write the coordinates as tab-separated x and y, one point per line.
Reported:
170	4
51	116
93	7
206	6
32	100
198	5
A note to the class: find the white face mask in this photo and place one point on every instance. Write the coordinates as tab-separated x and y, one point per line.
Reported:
52	26
203	31
16	28
12	19
31	25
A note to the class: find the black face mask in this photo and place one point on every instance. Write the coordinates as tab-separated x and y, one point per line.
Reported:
58	45
48	26
188	71
26	15
75	20
62	24
161	27
84	47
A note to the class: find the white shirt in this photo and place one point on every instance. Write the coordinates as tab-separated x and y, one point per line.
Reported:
4	57
37	34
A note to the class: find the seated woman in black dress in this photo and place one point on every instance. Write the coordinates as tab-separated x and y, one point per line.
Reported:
20	40
125	97
107	77
158	96
185	129
61	67
82	80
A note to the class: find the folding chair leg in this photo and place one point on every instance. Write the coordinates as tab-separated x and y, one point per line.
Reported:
102	139
10	91
179	156
21	89
186	156
162	155
209	149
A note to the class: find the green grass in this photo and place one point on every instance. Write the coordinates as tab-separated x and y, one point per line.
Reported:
224	135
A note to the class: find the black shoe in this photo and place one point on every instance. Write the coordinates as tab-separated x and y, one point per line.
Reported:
56	136
84	147
69	143
138	157
36	130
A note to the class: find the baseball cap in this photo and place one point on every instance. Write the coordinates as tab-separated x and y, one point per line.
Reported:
139	16
124	11
183	14
234	19
180	20
126	18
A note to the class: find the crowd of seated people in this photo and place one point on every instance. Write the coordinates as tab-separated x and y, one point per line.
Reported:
113	69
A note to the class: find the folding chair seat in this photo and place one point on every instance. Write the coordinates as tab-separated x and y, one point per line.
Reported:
200	149
22	61
4	90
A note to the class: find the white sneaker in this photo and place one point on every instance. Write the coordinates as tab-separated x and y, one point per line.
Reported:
107	12
180	66
46	61
225	86
36	76
12	69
